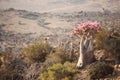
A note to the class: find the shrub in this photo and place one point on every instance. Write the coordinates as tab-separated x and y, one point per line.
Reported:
101	39
32	72
100	70
60	71
12	67
60	55
65	54
37	52
109	40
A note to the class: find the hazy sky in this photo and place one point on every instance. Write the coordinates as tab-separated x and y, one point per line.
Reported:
59	5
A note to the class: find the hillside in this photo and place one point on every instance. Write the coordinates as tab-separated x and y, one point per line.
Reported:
30	26
60	5
19	29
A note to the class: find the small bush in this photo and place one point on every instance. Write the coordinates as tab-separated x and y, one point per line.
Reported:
100	70
60	71
109	40
37	52
101	39
12	67
60	55
32	72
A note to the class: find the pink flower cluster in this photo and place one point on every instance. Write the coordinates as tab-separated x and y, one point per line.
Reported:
86	27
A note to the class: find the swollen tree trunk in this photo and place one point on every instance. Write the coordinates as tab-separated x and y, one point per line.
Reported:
86	46
80	60
90	44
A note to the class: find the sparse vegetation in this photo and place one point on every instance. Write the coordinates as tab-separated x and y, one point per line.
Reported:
60	71
100	70
109	40
12	67
44	61
37	52
101	38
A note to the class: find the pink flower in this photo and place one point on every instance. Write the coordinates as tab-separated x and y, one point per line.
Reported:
86	27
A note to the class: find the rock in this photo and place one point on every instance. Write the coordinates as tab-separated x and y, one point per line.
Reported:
100	55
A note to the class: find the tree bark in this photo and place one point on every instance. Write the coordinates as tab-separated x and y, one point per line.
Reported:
80	60
86	47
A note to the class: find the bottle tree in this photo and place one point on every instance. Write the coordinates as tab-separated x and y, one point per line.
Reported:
85	32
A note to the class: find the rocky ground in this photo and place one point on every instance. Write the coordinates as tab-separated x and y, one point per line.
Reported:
20	27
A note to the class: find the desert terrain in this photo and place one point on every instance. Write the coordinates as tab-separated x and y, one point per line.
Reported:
25	22
21	27
51	18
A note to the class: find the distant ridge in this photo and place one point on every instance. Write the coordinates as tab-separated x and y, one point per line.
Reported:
60	5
